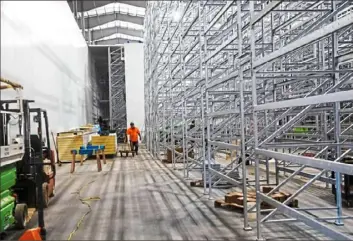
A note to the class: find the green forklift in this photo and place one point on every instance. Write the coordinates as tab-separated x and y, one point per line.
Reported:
24	180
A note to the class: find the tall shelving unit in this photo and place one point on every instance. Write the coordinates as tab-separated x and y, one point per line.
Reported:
117	89
271	81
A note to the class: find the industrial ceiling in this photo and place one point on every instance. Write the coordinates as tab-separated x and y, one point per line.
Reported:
110	22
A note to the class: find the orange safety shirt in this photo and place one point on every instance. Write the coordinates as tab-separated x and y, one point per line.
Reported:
133	133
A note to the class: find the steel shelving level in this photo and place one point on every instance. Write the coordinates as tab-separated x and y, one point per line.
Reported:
264	82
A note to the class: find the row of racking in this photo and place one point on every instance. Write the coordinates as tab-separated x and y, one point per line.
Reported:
117	92
271	80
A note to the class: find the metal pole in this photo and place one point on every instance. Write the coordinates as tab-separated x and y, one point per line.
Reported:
39	178
201	23
172	115
110	85
203	143
183	111
242	116
337	123
254	101
208	146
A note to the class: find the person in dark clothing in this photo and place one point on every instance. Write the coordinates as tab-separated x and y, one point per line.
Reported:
100	121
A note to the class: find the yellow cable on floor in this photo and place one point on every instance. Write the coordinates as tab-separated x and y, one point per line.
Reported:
84	201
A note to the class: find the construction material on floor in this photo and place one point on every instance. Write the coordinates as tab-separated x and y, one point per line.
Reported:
235	200
125	149
110	143
70	140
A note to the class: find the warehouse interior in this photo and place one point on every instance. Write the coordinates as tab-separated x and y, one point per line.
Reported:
244	111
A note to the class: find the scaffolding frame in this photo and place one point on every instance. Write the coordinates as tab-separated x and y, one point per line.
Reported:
241	78
117	88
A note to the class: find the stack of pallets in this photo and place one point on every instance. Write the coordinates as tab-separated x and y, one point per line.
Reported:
235	200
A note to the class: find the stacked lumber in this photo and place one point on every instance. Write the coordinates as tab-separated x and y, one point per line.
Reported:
235	200
71	140
109	143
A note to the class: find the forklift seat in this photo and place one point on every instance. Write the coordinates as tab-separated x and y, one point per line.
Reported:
35	143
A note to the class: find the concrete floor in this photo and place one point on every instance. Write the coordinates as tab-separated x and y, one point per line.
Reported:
314	196
142	199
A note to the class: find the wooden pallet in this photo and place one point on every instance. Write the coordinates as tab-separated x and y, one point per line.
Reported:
126	152
125	148
234	200
220	203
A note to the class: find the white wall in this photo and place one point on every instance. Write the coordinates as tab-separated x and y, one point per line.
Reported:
42	48
134	80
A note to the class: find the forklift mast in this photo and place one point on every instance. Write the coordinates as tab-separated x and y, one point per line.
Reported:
32	165
22	164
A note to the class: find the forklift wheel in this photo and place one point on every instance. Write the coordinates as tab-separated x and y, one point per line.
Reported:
21	215
3	236
45	195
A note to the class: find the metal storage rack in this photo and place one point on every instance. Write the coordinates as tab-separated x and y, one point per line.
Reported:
253	71
308	68
117	92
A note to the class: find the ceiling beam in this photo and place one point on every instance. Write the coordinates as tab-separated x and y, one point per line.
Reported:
89	5
115	41
83	6
101	33
140	4
96	20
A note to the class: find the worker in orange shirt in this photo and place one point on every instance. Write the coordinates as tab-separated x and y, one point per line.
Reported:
133	133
